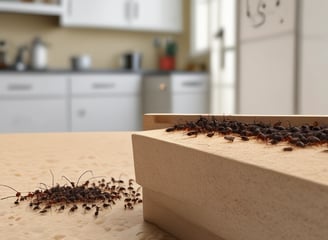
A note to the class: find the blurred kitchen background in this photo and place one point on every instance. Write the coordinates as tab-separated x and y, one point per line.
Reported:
99	65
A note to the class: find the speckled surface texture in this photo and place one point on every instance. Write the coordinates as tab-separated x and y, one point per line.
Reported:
26	161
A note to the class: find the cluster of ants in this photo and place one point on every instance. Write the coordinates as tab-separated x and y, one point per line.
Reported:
299	136
89	196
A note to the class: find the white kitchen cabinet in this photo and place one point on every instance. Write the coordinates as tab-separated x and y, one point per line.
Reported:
95	13
156	15
31	8
105	102
33	103
149	15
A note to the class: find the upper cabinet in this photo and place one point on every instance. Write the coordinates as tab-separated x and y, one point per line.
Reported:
156	15
149	15
54	9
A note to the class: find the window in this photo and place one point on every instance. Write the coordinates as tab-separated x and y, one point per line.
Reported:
199	26
208	18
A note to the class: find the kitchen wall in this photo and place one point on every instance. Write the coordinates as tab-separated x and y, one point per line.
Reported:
104	45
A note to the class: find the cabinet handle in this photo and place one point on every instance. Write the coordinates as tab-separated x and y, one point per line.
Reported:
162	86
192	84
128	10
69	8
100	86
19	87
136	10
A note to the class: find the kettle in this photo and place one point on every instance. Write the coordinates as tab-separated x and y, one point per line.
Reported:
39	54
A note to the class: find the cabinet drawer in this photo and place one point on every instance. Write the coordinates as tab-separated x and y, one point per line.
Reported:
106	84
23	115
31	85
177	83
189	83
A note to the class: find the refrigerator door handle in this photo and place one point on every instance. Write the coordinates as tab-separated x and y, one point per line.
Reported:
221	36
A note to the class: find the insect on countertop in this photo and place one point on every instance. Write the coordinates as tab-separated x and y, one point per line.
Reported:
301	136
99	195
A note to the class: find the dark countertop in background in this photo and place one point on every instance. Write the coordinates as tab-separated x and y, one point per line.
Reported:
99	71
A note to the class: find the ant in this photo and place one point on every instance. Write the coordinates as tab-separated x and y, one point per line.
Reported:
97	211
128	206
229	138
106	205
36	207
210	134
72	209
274	141
170	129
300	144
87	208
61	208
244	138
18	194
43	211
193	133
78	180
287	149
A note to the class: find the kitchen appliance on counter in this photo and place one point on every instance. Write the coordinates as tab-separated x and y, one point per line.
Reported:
39	54
131	61
81	62
19	64
3	54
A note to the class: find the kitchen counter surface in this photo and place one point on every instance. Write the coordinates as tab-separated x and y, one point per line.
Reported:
100	71
26	161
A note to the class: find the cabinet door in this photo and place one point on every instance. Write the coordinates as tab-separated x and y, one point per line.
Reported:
106	102
156	15
33	115
116	113
33	103
96	13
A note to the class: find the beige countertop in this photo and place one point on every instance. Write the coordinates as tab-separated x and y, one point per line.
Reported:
26	161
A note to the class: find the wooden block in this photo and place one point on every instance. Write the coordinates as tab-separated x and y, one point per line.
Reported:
209	188
157	121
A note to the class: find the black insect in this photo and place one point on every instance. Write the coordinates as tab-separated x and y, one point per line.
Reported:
244	138
170	129
18	194
299	136
97	211
192	133
287	149
229	138
99	195
210	134
72	209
